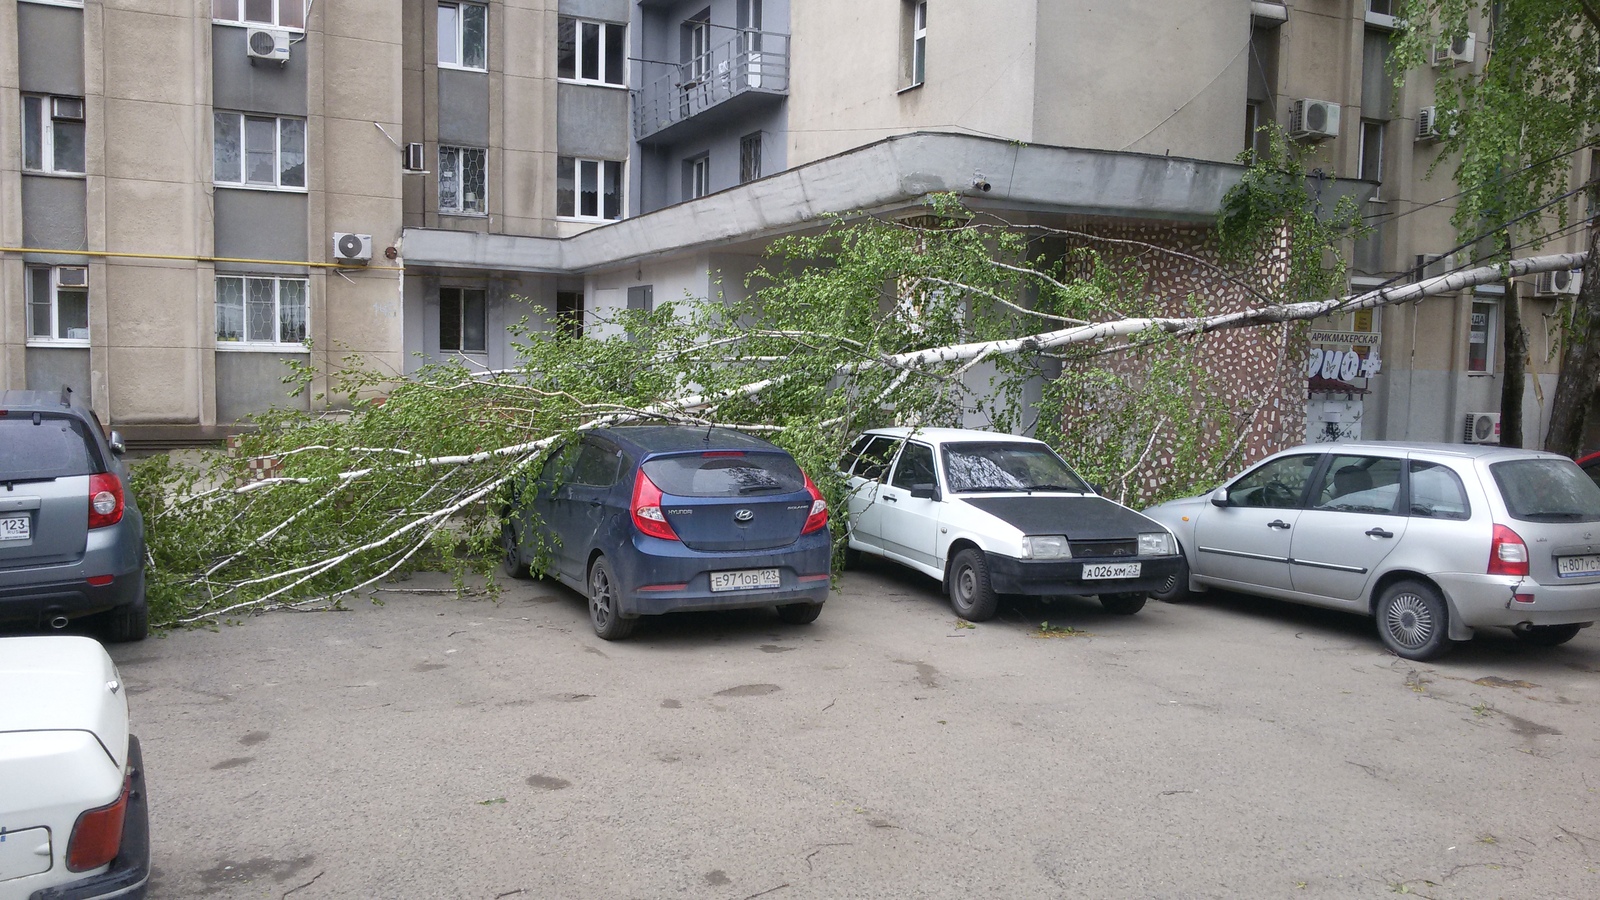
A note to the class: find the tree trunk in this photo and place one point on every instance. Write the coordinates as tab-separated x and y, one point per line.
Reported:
1516	357
1580	362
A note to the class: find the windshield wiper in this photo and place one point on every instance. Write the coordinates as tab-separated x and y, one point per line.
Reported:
1055	487
980	488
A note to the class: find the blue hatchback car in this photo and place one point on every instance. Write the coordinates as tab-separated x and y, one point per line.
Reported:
651	519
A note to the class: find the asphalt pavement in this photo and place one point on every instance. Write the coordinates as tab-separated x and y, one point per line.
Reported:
435	747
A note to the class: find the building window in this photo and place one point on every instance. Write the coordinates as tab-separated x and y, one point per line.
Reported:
592	52
569	313
588	189
463	320
697	177
58	305
282	13
642	297
1370	166
261	309
260	151
463	180
749	157
464	36
52	134
917	46
1256	141
1480	338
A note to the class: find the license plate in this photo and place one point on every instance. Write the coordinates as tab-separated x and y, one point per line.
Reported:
1573	566
15	528
744	580
1111	570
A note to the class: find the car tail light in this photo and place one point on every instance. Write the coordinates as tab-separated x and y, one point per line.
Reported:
647	514
818	518
105	500
1508	555
97	835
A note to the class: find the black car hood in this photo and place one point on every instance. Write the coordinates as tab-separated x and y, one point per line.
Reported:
1081	518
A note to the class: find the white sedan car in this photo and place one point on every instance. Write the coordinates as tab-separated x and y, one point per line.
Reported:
73	820
992	514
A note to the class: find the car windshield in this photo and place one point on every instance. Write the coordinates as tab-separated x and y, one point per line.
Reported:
1547	490
39	448
726	474
1008	466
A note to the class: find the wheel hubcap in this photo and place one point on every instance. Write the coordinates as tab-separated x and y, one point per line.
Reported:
508	540
599	597
1409	621
966	587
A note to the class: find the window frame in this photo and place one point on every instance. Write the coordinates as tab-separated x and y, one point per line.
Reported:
54	339
749	172
48	161
1491	332
567	316
901	461
917	44
1244	483
459	35
278	6
1379	128
244	343
599	167
243	119
603	65
458	171
699	180
461	320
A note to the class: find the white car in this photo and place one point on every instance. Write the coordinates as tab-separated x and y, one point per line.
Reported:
992	514
74	824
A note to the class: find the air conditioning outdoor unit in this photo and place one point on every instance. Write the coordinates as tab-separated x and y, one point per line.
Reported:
1428	125
1459	51
66	109
1561	283
1314	119
267	43
354	248
1482	428
414	157
72	276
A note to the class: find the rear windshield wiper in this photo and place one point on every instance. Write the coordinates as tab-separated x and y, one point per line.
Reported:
759	488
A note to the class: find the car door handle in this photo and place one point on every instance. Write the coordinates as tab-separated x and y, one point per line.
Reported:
1379	532
1278	523
891	498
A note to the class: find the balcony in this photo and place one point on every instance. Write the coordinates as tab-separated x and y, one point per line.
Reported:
731	79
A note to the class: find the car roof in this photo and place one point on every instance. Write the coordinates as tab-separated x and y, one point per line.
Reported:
1460	451
951	435
37	401
669	438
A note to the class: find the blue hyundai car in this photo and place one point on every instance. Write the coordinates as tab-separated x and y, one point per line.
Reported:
651	519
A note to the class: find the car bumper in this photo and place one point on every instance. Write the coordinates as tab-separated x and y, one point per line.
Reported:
43	600
1008	575
129	874
664	576
1486	601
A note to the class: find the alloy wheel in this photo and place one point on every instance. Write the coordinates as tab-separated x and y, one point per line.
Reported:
1409	621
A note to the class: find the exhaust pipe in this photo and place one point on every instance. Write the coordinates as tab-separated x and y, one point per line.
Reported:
1523	628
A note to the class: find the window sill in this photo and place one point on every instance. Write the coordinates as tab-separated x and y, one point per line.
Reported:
54	344
1480	374
455	68
236	23
589	220
260	187
248	347
75	176
911	87
458	214
587	83
71	4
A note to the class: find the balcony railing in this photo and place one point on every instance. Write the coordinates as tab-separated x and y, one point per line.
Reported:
751	63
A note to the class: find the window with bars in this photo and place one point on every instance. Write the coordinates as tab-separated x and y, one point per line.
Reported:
592	52
463	180
261	309
280	13
52	134
58	305
588	189
258	151
749	157
463	320
464	36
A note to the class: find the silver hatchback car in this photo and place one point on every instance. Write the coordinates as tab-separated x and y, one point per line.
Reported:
1434	540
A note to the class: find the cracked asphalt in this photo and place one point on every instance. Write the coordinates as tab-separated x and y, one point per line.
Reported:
441	748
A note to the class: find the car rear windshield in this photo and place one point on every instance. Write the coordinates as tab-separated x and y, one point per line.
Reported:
1547	490
1008	466
44	447
726	474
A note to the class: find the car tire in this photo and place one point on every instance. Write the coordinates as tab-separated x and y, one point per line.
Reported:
1414	621
799	613
511	553
1548	635
604	604
971	594
1123	604
126	624
1176	588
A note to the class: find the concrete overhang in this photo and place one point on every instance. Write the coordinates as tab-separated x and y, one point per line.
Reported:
893	174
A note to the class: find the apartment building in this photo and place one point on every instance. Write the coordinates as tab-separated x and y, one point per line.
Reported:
173	176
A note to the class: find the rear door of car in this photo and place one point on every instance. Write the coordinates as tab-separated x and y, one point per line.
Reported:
576	505
1246	543
45	464
909	526
1353	519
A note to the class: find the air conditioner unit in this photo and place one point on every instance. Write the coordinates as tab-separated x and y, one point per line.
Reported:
1561	283
267	43
66	109
72	276
1458	51
414	161
1482	428
1428	125
1314	119
355	248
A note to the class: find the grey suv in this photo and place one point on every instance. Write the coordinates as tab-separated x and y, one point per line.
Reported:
1434	540
71	536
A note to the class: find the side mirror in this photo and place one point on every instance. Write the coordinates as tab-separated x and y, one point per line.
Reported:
1098	488
1219	497
924	492
117	445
